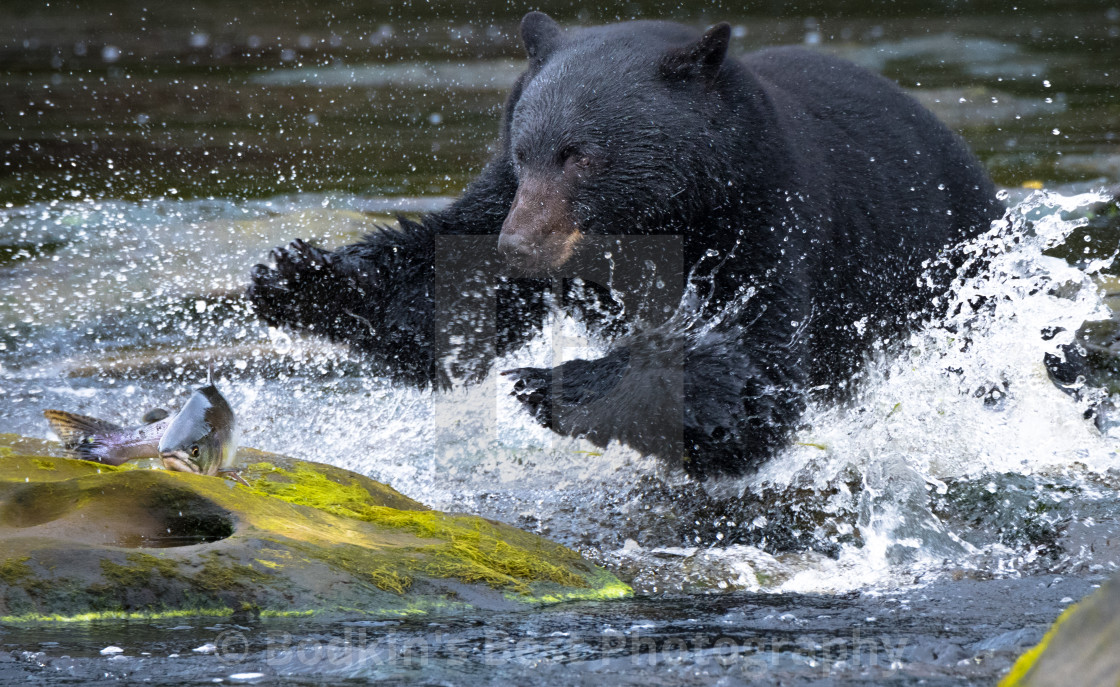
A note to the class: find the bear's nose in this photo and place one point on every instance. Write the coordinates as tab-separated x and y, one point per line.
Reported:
514	248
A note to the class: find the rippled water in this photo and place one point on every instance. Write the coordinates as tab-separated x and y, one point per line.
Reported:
908	637
957	488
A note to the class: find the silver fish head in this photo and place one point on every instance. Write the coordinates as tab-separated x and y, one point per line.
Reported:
203	436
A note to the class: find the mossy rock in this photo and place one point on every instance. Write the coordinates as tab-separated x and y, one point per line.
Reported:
1079	648
80	540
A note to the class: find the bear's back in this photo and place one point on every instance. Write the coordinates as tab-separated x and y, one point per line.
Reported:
896	185
851	119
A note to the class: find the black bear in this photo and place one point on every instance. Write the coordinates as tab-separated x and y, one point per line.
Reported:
802	195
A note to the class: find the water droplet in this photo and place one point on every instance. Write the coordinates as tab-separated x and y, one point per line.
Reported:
281	342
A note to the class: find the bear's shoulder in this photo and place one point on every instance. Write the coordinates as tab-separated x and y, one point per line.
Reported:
813	92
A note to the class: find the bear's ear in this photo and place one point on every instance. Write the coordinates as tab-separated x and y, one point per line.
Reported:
701	59
541	35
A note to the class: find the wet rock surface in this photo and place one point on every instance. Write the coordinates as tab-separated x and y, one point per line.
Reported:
86	541
1082	643
1089	367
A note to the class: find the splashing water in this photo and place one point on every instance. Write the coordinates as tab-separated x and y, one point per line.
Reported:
956	453
966	406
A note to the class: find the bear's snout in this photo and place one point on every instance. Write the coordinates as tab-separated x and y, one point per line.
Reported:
539	234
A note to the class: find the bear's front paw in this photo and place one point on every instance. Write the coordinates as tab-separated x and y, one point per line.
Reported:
270	295
303	288
533	387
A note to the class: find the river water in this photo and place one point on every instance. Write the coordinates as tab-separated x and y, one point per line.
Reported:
926	531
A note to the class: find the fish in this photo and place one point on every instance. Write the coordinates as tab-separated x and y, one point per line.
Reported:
201	438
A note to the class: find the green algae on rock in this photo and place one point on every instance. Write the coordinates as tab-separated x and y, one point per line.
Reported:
83	541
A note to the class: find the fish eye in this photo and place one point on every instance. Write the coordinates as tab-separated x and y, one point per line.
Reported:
195	451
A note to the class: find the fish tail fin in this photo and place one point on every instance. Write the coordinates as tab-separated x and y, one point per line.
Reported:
79	433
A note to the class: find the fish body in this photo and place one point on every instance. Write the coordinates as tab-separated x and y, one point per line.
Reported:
100	441
200	438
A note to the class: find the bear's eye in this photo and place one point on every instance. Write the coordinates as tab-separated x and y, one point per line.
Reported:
572	156
520	156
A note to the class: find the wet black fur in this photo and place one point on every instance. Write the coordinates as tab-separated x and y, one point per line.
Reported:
821	186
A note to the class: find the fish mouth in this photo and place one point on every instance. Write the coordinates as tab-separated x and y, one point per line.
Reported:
178	461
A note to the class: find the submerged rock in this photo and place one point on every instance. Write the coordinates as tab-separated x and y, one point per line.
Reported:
1089	367
83	540
1079	648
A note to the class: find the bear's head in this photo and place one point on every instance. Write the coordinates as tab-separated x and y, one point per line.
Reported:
612	133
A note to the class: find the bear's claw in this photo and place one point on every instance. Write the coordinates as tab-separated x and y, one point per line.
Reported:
292	293
533	387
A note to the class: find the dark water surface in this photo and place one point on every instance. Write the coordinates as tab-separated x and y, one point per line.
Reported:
924	533
122	100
